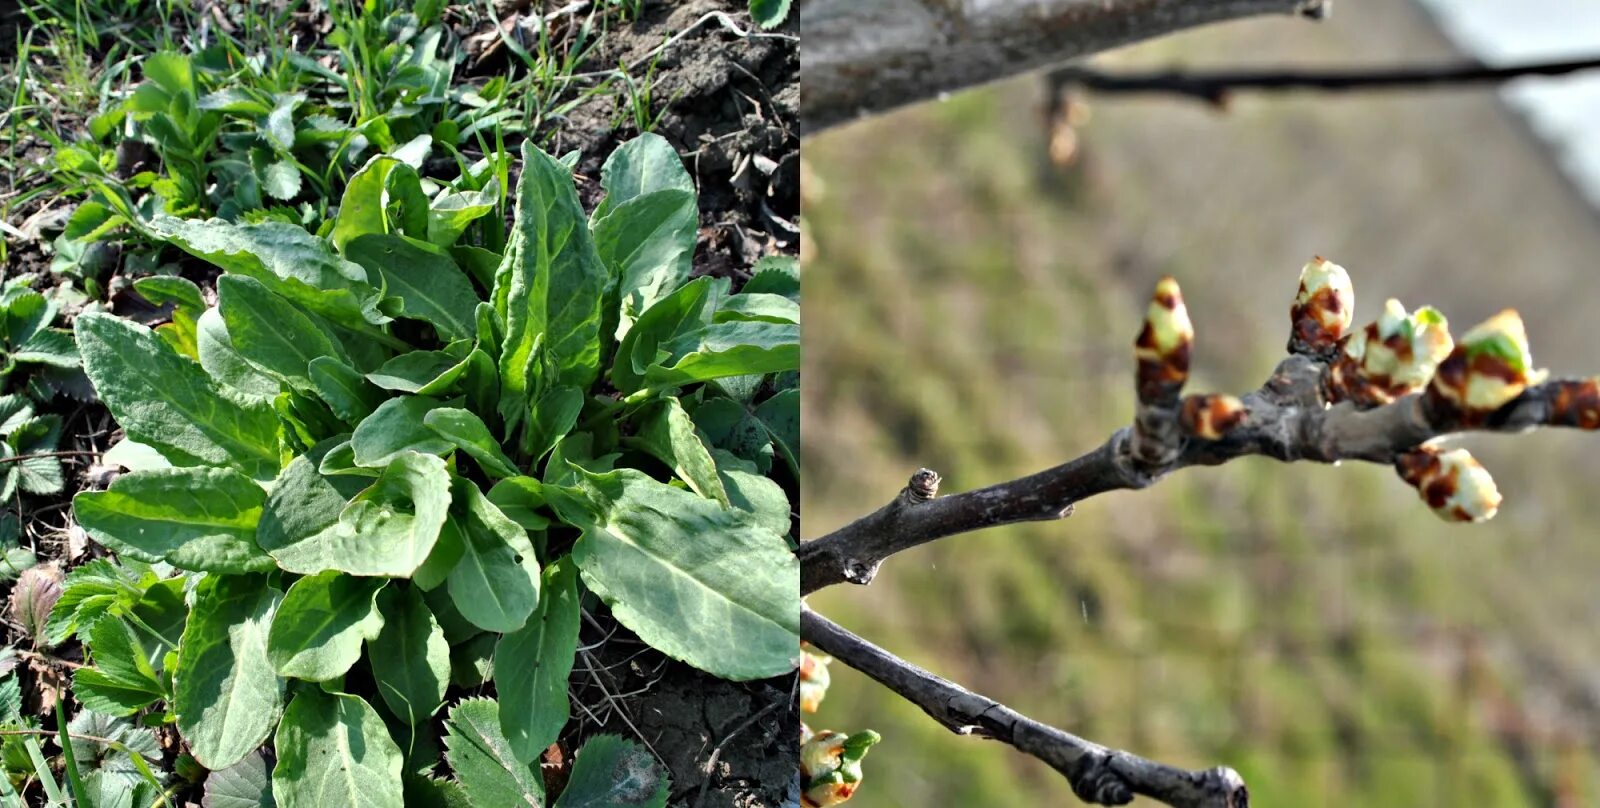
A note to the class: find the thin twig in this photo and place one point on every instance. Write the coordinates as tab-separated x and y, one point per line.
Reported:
1215	86
1097	774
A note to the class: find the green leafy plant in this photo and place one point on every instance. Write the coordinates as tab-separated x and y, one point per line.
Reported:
769	13
387	453
36	362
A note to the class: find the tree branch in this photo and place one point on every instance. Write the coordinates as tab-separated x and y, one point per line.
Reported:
1303	412
865	57
1097	774
1216	86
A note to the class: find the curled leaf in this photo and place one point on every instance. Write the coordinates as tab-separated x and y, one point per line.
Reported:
1322	309
1453	483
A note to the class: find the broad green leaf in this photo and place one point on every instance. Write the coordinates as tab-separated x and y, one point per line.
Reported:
246	784
388	529
227	696
648	245
279	126
381	188
238	100
643	165
346	392
271	333
519	498
703	584
24	316
728	425
468	432
534	663
166	401
428	373
450	214
395	428
769	13
777	275
441	560
555	413
284	257
483	761
410	658
549	287
324	618
333	749
193	518
727	349
754	493
667	433
187	306
611	772
781	416
495	585
685	309
759	306
429	284
472	661
222	361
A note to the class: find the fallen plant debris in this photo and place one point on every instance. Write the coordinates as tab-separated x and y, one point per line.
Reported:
1393	392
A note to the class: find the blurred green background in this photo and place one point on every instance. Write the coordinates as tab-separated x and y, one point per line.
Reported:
971	307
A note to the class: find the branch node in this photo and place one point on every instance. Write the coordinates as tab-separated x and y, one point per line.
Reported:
1095	782
924	486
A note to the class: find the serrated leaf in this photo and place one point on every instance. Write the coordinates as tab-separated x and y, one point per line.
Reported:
193	518
167	401
611	772
549	287
495	585
667	433
122	680
279	126
281	180
246	784
410	658
226	696
318	629
333	749
777	275
483	761
48	346
534	663
428	282
706	585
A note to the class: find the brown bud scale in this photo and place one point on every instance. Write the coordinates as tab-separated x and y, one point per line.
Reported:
1211	416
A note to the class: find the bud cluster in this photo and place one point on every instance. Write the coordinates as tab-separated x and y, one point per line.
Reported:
1322	309
830	762
1163	346
1391	357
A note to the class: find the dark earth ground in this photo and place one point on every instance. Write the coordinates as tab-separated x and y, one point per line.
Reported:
731	106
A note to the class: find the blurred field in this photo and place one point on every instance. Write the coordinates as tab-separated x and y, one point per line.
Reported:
972	308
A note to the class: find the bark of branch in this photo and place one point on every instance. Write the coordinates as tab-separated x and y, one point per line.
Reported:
1215	87
1286	420
1097	774
868	57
